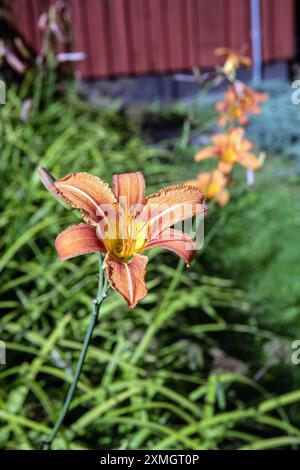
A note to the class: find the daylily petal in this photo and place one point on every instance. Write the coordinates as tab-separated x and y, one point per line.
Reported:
171	205
223	197
218	140
246	145
236	134
230	95
255	109
219	51
206	152
246	61
78	240
222	120
262	96
249	161
131	187
243	119
127	279
225	167
203	180
176	241
220	106
86	192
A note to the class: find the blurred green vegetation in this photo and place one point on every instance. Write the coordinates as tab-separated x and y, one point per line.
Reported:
177	371
280	112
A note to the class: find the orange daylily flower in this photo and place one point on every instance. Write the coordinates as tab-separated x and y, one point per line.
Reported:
230	148
234	59
122	223
240	101
212	185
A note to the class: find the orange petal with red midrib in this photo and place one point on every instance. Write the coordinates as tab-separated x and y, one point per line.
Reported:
86	192
176	241
130	187
78	240
127	279
171	205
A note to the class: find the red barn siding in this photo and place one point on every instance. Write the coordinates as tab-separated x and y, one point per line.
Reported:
278	29
139	36
156	37
151	36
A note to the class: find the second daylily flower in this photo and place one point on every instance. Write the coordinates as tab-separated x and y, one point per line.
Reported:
230	148
121	223
213	186
234	59
240	101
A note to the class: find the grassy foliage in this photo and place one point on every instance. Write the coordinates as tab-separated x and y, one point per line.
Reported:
175	373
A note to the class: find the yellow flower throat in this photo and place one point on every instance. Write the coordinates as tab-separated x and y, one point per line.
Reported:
128	238
229	155
212	191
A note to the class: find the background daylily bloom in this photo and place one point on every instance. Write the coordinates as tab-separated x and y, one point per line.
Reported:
240	101
213	186
234	59
122	223
230	148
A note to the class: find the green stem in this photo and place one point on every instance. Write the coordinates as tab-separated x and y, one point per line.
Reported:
101	294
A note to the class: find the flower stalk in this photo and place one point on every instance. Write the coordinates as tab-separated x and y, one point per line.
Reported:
101	294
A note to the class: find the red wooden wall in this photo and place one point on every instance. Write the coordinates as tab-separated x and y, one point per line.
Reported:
152	36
